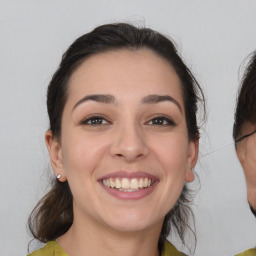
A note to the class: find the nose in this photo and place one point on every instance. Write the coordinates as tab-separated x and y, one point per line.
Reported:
129	144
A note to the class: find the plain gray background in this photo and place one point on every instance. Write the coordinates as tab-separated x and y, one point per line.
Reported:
214	37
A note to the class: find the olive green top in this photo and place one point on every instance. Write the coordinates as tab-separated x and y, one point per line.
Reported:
52	248
250	252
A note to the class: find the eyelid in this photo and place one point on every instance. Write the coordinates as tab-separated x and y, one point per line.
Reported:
92	116
164	117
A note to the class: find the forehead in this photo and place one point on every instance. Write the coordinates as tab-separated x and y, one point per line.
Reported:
125	73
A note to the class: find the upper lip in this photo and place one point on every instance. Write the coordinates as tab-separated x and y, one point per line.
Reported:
128	175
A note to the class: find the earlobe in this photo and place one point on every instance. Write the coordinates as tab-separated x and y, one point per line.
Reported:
55	153
190	175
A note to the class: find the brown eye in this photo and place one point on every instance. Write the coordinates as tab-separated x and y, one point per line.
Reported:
161	121
94	120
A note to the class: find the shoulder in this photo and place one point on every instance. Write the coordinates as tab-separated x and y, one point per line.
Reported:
50	249
250	252
169	249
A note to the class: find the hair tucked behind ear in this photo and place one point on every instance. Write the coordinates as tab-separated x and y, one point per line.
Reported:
53	215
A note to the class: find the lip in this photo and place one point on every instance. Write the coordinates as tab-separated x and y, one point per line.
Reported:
135	195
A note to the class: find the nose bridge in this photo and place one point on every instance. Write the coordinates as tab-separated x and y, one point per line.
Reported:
129	141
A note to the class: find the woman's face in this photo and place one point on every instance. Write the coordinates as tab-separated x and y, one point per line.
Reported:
124	146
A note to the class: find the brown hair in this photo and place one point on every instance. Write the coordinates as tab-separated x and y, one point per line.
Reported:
53	215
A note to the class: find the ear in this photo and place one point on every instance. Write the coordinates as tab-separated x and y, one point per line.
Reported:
56	156
193	149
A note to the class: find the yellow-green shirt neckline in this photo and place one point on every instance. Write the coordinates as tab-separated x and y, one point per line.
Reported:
52	248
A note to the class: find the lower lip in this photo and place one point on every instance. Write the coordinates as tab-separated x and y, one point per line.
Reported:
136	195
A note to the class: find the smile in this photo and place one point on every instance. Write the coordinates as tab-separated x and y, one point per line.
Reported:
128	185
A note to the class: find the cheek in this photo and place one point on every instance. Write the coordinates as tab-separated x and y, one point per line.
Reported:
81	154
172	153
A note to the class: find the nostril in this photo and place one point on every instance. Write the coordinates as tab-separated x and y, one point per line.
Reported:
119	155
140	156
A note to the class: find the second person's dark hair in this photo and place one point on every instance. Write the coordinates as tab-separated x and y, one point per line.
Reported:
246	100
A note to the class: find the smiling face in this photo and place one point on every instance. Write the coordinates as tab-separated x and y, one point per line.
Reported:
124	145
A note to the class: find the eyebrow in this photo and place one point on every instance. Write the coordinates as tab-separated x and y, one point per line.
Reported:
109	99
152	99
102	98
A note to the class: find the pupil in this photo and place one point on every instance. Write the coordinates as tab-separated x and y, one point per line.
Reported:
96	121
158	121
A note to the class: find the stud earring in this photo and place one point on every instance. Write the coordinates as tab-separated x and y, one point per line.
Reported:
58	176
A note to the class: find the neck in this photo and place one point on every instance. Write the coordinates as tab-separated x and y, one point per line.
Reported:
88	238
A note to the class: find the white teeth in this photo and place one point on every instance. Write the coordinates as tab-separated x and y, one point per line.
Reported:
134	184
127	185
106	183
112	183
141	183
118	183
145	182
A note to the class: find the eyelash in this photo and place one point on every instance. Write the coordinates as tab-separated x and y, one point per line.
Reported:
99	120
94	118
164	121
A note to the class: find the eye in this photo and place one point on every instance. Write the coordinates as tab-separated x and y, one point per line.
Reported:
94	121
161	121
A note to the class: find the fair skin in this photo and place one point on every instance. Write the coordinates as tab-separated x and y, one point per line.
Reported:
246	152
123	125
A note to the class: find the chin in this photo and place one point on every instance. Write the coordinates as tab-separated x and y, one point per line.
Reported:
132	223
127	228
